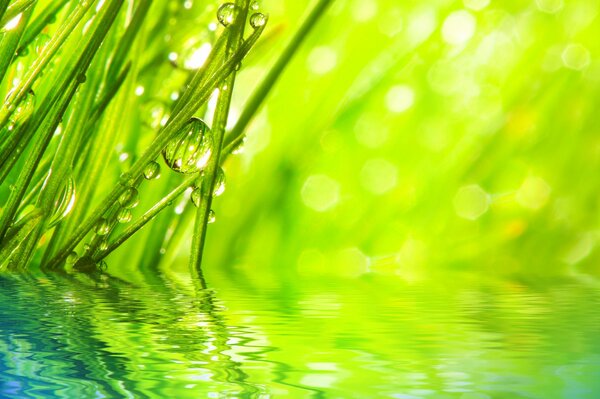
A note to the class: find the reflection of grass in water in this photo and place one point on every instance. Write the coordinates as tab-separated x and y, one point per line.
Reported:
119	340
92	94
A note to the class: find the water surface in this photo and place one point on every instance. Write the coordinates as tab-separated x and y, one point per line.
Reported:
365	338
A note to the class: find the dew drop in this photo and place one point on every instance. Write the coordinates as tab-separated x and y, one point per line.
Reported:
257	20
102	227
81	78
24	110
102	265
40	42
64	202
152	171
226	13
239	148
211	216
124	215
254	5
130	198
190	149
219	183
103	245
196	197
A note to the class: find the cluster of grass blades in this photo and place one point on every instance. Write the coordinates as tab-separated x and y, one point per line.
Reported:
97	107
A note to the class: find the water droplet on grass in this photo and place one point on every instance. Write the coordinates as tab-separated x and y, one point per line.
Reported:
257	20
211	216
24	110
226	13
152	171
190	149
124	215
196	197
64	202
219	183
102	227
130	198
103	245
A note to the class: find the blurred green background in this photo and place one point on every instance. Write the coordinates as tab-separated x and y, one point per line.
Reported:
408	137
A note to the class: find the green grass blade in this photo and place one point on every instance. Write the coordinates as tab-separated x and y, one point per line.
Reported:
147	217
235	137
219	124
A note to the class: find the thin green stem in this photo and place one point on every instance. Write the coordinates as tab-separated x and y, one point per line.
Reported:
219	124
147	217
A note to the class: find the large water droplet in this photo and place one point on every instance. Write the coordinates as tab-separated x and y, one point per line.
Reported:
64	202
196	196
211	216
257	20
102	227
152	171
124	215
190	149
130	198
219	183
226	13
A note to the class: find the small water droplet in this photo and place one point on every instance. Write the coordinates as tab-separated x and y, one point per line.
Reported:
40	42
152	171
238	149
24	109
103	245
102	227
254	5
102	265
226	13
257	20
72	258
81	78
64	202
190	149
86	248
126	179
196	197
211	216
124	215
130	198
219	183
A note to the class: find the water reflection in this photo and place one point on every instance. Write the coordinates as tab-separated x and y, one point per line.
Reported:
62	336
